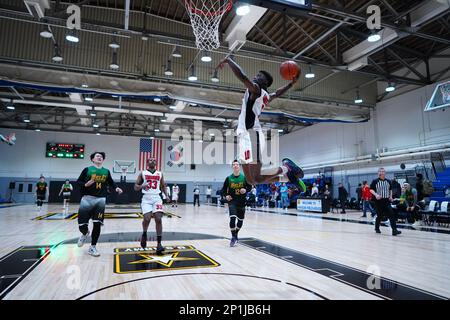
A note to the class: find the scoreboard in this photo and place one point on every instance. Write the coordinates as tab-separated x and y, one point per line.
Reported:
65	150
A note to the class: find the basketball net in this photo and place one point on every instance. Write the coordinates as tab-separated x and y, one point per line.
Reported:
205	17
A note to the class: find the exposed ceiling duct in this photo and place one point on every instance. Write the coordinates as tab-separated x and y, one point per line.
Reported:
428	11
37	7
236	33
366	48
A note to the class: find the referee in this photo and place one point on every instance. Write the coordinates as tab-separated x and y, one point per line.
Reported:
381	189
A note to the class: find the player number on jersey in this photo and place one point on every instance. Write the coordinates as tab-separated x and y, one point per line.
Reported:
152	184
98	185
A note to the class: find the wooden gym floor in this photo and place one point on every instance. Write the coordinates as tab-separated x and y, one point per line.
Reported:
280	255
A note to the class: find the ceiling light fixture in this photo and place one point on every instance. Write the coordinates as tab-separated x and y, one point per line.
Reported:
72	36
215	77
310	74
114	64
46	32
192	76
56	54
206	57
243	9
168	71
176	52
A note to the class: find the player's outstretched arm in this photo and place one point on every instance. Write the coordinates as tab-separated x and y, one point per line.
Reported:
283	90
239	73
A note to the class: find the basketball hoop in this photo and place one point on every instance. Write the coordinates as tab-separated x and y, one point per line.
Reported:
205	17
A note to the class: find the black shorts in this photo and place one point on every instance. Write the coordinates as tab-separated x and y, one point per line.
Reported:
238	212
66	196
40	197
91	208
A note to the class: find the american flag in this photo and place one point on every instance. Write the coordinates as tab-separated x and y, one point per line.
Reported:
150	148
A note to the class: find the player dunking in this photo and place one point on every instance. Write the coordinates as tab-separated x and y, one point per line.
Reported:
94	181
256	98
151	183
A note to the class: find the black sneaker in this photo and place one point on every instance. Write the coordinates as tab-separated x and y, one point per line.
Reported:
396	232
294	171
377	231
144	241
159	249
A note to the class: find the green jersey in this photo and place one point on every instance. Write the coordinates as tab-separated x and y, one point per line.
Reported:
232	186
102	178
41	187
67	187
410	197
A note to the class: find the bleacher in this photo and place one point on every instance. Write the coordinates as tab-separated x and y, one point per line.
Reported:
438	209
441	183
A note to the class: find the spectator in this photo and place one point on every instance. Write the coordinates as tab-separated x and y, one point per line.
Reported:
419	187
314	191
359	194
396	189
343	194
208	194
197	195
327	197
408	203
446	190
284	196
366	197
381	189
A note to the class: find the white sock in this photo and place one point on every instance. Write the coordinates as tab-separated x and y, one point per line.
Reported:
284	169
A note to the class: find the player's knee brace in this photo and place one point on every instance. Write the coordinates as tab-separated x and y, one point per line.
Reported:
239	223
83	229
232	223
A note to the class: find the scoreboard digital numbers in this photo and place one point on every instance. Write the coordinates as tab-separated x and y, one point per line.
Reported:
65	150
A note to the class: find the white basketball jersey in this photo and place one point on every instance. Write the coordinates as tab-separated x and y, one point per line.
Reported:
153	180
258	106
175	190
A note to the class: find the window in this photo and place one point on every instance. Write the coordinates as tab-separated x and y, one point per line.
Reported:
20	187
30	187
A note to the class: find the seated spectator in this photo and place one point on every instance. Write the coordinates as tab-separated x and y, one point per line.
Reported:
408	204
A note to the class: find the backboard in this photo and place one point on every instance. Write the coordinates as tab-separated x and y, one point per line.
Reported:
124	166
440	98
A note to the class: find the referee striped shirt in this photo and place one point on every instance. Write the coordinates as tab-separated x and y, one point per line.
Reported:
381	187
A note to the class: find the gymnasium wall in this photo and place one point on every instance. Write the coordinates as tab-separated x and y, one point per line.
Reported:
26	161
396	124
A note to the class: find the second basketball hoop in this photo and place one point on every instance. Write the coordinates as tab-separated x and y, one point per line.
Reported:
205	18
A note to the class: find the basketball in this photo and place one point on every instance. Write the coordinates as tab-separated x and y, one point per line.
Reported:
289	70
